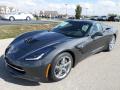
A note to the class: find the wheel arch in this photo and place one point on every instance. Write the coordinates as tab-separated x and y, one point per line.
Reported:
11	17
71	53
49	72
28	17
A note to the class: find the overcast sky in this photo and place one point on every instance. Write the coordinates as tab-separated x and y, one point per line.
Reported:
95	7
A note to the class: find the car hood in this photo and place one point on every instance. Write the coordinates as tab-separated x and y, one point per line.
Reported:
27	44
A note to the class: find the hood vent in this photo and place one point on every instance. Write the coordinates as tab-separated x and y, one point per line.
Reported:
29	40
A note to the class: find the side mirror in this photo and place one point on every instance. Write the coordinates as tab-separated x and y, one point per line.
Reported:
96	34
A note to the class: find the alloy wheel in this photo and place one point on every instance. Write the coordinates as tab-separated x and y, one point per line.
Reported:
63	67
112	43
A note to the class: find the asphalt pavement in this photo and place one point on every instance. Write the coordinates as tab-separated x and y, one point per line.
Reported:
22	22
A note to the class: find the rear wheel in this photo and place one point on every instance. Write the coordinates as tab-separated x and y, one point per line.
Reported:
111	43
11	18
28	18
61	66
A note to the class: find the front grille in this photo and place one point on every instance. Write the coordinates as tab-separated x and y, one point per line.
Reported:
17	68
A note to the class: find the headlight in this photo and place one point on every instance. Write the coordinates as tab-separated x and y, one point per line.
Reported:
39	54
35	58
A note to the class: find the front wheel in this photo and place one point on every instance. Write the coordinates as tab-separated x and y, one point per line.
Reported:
111	43
61	66
28	18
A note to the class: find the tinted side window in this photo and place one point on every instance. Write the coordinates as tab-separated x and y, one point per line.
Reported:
96	28
93	30
99	27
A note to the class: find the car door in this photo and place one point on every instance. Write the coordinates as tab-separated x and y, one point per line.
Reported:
87	44
99	41
21	16
15	15
92	45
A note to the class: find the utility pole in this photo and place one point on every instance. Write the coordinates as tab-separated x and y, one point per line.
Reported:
66	9
117	6
86	11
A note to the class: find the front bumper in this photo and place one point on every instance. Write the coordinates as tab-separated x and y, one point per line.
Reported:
36	73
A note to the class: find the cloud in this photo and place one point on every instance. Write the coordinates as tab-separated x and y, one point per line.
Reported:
104	7
107	3
101	7
30	2
98	7
7	3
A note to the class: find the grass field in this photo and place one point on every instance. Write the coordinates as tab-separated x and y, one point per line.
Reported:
11	31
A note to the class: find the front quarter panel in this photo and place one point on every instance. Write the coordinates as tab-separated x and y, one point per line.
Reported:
68	46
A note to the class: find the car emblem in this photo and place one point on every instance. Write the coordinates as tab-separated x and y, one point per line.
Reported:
28	40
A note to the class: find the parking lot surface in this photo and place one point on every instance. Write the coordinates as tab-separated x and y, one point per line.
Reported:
22	22
98	72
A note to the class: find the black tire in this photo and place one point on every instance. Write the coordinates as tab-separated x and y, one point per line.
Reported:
28	18
110	48
52	75
12	18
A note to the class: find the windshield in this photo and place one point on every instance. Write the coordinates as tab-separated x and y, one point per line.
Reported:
72	28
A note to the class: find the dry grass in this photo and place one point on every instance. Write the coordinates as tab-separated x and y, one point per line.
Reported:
10	31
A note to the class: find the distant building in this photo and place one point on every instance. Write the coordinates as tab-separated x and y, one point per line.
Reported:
48	13
41	13
62	16
6	9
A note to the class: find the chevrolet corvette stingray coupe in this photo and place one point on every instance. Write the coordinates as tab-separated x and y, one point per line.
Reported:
50	54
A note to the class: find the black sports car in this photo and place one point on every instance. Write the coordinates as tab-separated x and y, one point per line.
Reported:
50	55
